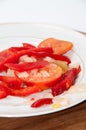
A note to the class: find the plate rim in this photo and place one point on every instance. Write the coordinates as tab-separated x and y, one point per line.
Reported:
78	32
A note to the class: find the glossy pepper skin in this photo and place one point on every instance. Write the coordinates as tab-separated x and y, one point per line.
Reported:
12	82
27	66
23	92
66	81
47	51
41	102
12	55
4	92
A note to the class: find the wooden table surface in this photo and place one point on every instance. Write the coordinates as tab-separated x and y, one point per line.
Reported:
70	119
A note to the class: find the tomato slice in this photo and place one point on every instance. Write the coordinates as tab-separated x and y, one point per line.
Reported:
43	77
58	46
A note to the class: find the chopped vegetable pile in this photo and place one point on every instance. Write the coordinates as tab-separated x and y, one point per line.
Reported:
29	69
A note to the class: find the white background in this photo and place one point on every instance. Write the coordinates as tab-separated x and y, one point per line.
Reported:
68	13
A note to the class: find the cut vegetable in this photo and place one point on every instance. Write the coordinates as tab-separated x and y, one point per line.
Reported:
41	102
58	46
46	76
66	81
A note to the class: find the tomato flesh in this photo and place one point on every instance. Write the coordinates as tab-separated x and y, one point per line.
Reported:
44	77
58	46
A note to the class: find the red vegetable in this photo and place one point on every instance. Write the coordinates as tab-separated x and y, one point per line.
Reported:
12	82
28	45
41	102
66	81
44	77
3	90
40	52
9	56
47	51
24	91
32	77
12	55
27	66
16	49
60	57
58	46
25	46
6	56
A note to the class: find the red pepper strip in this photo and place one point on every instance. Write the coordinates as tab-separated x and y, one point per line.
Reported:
41	102
27	66
9	55
36	52
12	54
15	49
6	56
47	52
24	91
25	47
40	52
3	90
12	82
28	45
60	57
66	81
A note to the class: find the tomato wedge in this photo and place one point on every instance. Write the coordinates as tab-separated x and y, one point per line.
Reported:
58	46
44	77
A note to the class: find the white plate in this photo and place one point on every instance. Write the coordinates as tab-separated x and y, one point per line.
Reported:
14	34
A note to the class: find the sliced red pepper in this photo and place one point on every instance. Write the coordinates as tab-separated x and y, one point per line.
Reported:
15	49
43	52
41	102
6	56
3	90
28	45
27	66
60	57
14	53
9	56
66	81
40	52
25	46
24	91
12	82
